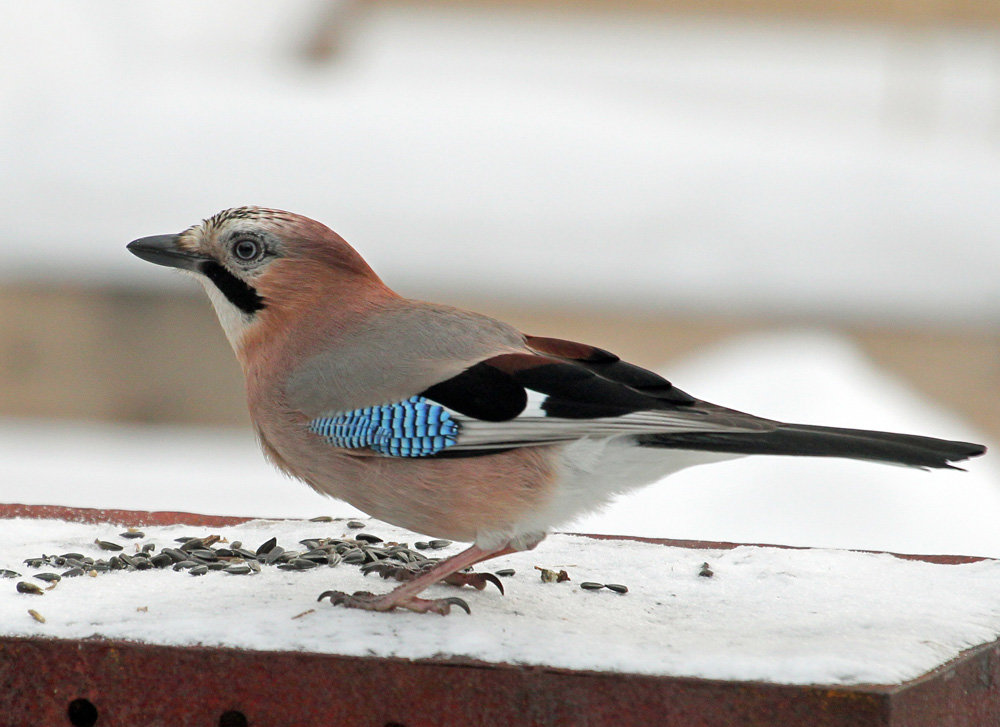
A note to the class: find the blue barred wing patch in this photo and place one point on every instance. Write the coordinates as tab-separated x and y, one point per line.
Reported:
411	428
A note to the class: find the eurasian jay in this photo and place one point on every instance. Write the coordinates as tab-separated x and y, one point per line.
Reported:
448	422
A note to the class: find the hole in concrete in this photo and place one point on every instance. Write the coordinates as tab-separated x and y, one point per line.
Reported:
233	718
82	713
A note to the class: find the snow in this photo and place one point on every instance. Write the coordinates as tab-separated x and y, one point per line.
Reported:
788	616
685	163
807	376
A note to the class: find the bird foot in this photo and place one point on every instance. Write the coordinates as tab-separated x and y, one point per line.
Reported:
368	601
410	572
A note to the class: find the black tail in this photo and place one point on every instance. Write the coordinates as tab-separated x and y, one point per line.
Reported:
810	441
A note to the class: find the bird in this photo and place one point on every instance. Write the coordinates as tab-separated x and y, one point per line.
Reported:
448	422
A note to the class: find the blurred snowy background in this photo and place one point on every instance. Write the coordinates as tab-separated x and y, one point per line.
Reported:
797	217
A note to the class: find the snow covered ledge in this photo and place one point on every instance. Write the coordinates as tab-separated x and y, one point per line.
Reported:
773	636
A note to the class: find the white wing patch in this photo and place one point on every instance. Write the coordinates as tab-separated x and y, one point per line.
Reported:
533	427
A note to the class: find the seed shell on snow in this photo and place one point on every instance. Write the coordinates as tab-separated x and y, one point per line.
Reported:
107	545
616	587
29	588
591	586
35	615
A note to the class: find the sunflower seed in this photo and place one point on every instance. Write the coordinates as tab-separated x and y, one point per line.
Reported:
267	546
161	560
199	570
48	577
591	586
131	533
254	566
73	573
175	555
616	587
237	569
185	564
274	554
354	557
505	572
321	519
25	587
107	545
438	544
368	538
35	615
4	573
355	524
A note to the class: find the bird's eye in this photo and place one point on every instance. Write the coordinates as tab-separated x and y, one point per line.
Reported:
246	249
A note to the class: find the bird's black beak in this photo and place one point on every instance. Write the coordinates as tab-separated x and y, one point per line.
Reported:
163	250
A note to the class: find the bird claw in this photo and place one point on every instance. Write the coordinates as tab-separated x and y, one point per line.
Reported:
476	580
408	573
367	601
390	570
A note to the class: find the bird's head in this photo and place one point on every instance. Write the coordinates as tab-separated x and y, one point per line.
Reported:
256	263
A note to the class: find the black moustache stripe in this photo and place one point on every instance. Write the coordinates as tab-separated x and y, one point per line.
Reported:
237	292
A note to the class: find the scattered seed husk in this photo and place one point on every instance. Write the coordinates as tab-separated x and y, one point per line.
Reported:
107	545
35	615
199	570
321	519
132	533
48	577
591	586
421	545
237	569
4	573
30	588
547	576
73	573
616	587
706	571
368	538
505	572
304	613
438	544
355	524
